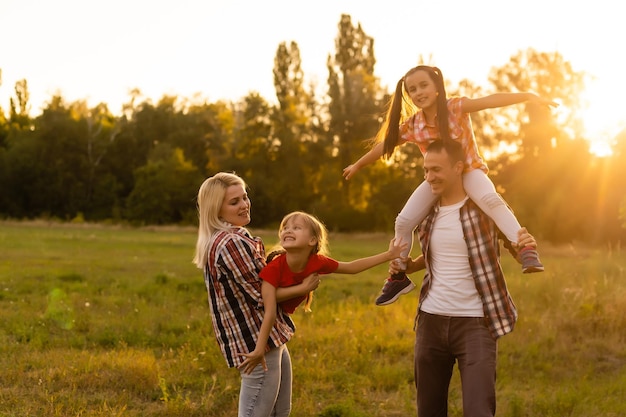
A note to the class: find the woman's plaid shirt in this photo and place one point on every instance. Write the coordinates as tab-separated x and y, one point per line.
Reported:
234	290
482	238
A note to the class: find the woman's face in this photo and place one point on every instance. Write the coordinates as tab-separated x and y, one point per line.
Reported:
235	206
421	89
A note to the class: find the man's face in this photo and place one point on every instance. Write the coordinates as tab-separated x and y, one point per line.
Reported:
440	173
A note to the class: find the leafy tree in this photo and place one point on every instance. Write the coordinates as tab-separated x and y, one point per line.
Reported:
295	154
622	212
355	107
252	156
551	76
98	130
541	174
44	170
220	120
20	106
4	134
165	189
619	153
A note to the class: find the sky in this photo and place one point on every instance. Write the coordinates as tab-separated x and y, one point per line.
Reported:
99	50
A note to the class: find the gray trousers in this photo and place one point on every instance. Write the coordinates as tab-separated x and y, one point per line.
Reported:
267	393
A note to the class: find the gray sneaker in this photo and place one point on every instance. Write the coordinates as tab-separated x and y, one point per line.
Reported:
530	260
394	288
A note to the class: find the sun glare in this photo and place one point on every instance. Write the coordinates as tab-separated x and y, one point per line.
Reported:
600	149
602	120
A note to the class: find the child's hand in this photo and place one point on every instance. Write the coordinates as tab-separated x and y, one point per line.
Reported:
524	239
252	360
544	101
412	265
349	171
396	247
395	266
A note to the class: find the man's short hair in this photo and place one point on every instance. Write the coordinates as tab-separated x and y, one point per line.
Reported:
452	148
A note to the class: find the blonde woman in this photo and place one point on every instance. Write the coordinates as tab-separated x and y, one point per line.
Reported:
231	260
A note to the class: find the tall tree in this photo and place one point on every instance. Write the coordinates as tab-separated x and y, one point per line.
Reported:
294	156
555	171
164	188
355	106
20	105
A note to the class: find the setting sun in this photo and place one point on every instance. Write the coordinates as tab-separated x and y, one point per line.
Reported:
600	149
603	119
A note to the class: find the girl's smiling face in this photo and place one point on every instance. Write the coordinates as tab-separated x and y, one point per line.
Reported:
235	206
421	89
296	234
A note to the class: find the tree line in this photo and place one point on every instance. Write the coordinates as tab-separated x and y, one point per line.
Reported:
145	165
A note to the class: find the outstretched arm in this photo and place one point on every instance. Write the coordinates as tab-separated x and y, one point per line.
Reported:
257	356
370	157
492	101
360	265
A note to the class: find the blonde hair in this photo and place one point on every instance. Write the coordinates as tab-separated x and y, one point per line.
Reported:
210	199
318	231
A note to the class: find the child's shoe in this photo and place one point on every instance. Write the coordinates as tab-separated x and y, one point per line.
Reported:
395	286
530	260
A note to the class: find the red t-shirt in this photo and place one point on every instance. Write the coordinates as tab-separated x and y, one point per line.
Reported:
278	274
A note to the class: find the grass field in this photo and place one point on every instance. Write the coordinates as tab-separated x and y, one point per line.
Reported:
110	321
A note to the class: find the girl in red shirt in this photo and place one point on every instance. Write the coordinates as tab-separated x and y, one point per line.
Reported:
303	250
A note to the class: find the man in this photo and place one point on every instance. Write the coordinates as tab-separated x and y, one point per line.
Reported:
464	304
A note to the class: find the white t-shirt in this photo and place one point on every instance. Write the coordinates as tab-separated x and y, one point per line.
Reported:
452	291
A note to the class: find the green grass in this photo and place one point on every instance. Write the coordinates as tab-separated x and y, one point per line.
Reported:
111	321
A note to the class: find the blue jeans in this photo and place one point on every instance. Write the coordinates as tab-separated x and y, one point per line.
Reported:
440	342
267	393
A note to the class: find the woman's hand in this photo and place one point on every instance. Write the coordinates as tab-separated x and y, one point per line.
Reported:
252	360
311	283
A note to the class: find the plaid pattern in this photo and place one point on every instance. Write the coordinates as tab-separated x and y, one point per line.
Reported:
234	290
482	238
415	130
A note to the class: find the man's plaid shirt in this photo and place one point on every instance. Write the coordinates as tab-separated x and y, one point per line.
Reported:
482	238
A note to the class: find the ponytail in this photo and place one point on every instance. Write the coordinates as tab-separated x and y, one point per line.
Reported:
442	103
391	125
